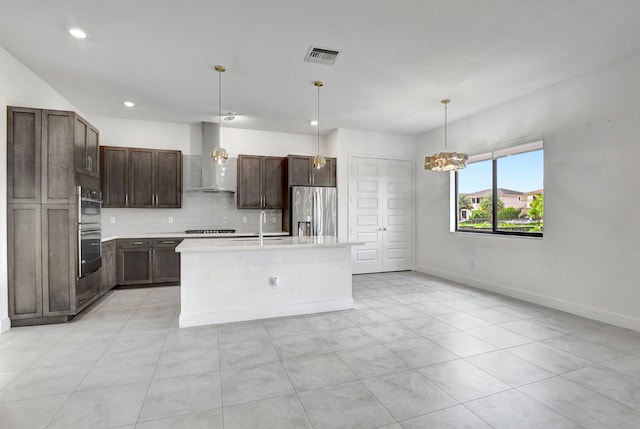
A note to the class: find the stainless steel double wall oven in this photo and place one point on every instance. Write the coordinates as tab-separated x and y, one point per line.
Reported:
89	230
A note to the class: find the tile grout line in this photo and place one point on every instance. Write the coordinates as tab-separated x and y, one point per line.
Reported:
83	378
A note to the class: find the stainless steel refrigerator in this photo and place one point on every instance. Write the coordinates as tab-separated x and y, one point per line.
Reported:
313	211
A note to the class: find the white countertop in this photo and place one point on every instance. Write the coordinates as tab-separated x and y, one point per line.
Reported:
182	234
270	243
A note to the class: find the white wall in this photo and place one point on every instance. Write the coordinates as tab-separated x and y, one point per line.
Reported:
347	142
18	87
149	134
268	143
587	261
188	138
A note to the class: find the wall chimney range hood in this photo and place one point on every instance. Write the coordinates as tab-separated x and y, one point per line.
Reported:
215	177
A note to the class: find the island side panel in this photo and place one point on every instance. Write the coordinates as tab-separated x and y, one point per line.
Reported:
222	287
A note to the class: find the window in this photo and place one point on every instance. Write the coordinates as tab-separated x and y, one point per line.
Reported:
508	183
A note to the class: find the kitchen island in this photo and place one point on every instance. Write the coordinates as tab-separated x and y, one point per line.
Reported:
231	280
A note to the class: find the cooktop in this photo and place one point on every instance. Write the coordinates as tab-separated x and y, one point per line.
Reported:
210	231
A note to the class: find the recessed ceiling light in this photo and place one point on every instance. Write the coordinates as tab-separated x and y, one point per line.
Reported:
314	122
78	33
129	103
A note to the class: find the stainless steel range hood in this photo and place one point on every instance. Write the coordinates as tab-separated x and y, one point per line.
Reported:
213	177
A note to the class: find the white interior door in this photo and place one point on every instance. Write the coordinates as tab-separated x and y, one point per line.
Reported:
365	222
397	210
381	214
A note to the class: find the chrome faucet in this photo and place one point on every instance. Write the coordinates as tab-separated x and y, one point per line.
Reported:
263	218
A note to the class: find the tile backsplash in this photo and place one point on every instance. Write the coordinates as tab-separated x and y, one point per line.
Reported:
199	211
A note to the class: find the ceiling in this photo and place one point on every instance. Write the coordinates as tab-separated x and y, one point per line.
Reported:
398	57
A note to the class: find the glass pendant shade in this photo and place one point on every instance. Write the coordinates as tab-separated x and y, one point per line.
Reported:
319	161
446	161
219	154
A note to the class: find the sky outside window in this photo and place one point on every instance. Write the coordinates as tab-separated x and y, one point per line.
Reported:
522	172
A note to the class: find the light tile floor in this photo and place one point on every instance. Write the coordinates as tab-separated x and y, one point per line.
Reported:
417	352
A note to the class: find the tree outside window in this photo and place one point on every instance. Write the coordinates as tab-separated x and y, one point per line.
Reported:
514	177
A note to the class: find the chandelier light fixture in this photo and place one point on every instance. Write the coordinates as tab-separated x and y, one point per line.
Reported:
219	154
318	160
445	161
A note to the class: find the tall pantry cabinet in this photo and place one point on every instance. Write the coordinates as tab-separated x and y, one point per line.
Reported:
41	208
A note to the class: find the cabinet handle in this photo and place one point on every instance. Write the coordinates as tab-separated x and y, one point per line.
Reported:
90	162
126	199
138	242
168	242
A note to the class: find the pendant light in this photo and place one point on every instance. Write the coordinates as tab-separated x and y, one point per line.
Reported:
446	161
318	160
219	154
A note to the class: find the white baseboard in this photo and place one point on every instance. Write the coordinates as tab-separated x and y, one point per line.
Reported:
547	301
200	319
5	325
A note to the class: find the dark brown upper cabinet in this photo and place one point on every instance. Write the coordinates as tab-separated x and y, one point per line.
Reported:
114	176
86	144
141	178
302	173
40	156
168	184
261	182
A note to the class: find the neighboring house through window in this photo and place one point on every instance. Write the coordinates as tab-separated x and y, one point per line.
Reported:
502	192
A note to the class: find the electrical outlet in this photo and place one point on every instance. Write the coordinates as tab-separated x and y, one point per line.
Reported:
244	219
170	219
112	219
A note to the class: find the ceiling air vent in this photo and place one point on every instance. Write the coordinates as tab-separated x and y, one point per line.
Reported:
321	55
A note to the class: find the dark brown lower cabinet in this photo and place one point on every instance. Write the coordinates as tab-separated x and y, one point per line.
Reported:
166	261
59	261
42	268
141	262
89	287
108	266
24	258
134	262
